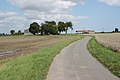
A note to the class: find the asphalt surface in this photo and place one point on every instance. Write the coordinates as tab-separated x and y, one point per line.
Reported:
76	63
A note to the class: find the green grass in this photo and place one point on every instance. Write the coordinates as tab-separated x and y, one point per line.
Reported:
33	66
107	57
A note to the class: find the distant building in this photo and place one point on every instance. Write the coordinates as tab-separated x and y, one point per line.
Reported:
86	31
27	32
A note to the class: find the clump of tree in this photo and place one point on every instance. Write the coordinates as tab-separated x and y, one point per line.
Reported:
50	27
19	32
3	34
34	28
61	27
68	25
116	30
12	32
16	33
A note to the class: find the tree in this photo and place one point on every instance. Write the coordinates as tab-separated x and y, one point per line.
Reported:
68	25
61	26
53	29
12	32
19	32
42	28
34	28
49	27
45	29
116	30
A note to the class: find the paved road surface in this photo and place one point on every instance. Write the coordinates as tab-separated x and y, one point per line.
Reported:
76	63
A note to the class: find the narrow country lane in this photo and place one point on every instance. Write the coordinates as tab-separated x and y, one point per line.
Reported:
76	63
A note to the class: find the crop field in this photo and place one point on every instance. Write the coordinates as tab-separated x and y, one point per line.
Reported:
19	45
111	41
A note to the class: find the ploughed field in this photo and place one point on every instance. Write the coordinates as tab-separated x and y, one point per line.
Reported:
111	41
19	45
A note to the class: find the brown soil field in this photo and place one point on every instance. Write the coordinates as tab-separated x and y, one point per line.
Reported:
19	45
111	41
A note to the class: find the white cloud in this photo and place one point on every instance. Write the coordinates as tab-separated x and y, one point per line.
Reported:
47	16
7	14
44	5
10	20
82	2
111	2
47	9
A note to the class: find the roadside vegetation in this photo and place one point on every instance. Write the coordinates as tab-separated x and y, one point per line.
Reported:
33	66
106	56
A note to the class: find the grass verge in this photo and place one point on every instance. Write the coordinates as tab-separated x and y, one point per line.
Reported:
107	57
31	66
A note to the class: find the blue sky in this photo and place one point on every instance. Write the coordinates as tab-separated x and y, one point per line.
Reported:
101	16
97	15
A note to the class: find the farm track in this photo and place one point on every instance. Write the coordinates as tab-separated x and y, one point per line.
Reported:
76	63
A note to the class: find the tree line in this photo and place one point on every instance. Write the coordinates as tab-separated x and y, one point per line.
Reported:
50	27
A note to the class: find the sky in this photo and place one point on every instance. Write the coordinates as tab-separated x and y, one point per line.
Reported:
98	15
